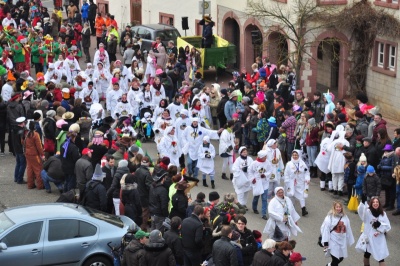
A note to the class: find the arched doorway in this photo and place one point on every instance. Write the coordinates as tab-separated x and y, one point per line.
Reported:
231	33
328	58
253	44
278	49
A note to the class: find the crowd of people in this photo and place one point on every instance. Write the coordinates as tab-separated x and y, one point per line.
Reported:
83	130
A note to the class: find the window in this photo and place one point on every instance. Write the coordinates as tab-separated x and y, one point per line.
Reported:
144	34
26	234
68	229
385	57
167	19
331	2
5	222
394	4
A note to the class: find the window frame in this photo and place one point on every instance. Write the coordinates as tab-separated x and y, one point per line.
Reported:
386	67
67	222
21	235
393	4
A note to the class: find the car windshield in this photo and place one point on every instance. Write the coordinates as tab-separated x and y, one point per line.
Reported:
111	219
167	34
5	222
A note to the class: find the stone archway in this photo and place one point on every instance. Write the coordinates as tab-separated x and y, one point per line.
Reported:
231	33
278	48
331	75
253	42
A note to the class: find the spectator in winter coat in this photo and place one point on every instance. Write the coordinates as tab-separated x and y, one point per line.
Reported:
192	237
379	123
158	200
114	190
230	106
247	241
388	183
109	169
95	193
179	200
84	169
157	252
130	198
370	152
69	156
144	181
263	257
224	253
221	107
281	255
134	252
173	239
362	124
85	11
371	184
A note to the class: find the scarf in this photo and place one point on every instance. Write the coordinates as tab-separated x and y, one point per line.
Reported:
243	157
65	146
197	107
157	87
375	212
229	130
206	145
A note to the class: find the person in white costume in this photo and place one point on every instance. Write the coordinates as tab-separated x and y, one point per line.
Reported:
260	172
52	73
89	71
322	160
135	97
241	181
157	86
123	108
160	125
169	147
79	83
192	138
336	233
101	55
337	160
113	97
97	111
205	102
175	107
205	163
275	158
72	68
376	224
297	180
226	144
101	79
282	217
90	95
180	124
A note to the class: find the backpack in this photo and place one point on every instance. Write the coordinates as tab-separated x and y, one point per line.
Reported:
85	192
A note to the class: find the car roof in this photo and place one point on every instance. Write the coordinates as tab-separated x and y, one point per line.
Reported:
47	210
157	26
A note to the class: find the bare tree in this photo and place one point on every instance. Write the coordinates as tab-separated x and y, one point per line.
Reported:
298	23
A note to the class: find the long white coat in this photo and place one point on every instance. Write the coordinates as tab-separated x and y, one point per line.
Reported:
160	125
277	208
101	80
377	245
227	139
180	125
166	148
275	158
337	160
206	165
193	138
337	241
297	176
255	170
113	98
241	181
322	160
93	94
123	109
134	97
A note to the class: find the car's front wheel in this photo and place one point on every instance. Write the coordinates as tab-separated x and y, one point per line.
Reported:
98	261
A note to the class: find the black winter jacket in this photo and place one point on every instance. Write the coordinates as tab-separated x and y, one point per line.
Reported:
174	242
14	110
158	200
53	168
131	200
95	196
158	254
278	259
133	254
3	116
115	188
144	181
224	253
262	258
179	204
49	128
249	246
192	233
73	155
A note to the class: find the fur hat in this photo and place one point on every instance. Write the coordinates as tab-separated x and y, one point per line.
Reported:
213	196
363	158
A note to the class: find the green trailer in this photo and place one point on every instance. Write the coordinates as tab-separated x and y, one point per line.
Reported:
219	56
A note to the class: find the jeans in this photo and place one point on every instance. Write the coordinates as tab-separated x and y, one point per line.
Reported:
289	149
70	182
312	155
398	196
264	202
19	167
2	140
47	179
192	169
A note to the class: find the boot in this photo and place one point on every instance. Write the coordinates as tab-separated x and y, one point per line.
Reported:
254	150
304	211
330	185
322	185
212	184
224	176
314	173
205	183
340	193
335	192
231	176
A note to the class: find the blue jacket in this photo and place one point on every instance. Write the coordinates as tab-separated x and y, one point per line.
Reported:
230	109
360	179
85	10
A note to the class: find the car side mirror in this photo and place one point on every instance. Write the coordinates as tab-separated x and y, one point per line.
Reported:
3	246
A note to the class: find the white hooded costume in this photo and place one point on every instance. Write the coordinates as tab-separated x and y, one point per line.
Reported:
241	181
134	99
261	173
52	73
169	146
337	159
101	80
206	165
278	210
274	156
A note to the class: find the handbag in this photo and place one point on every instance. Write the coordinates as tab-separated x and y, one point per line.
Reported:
49	145
362	243
88	99
353	202
278	235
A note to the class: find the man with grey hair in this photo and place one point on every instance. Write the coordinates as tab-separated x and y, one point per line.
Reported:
263	256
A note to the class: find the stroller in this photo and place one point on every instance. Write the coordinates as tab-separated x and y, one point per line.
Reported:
118	251
144	125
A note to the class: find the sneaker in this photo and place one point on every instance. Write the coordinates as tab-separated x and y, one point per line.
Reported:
264	217
256	212
21	182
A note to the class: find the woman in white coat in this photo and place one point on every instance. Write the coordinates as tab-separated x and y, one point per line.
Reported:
241	181
226	144
373	240
169	146
283	217
205	163
336	233
297	180
160	125
275	158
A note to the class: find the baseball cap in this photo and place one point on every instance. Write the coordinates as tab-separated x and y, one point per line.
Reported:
296	257
86	151
140	234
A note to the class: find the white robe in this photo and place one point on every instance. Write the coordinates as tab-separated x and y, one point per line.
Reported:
296	182
206	165
255	170
94	110
134	99
101	80
123	109
166	148
193	138
93	94
113	98
241	181
53	74
174	110
377	245
147	99
72	68
277	208
180	125
205	100
337	241
275	158
96	59
225	140
160	125
150	67
337	160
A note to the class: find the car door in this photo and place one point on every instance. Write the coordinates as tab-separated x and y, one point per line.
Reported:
68	241
145	35
24	244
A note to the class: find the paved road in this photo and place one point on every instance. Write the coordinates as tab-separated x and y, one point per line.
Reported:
318	204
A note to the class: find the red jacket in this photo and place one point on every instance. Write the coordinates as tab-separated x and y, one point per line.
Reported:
312	138
57	95
253	78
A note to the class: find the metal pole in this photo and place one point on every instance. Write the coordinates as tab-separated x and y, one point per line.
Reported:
203	7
